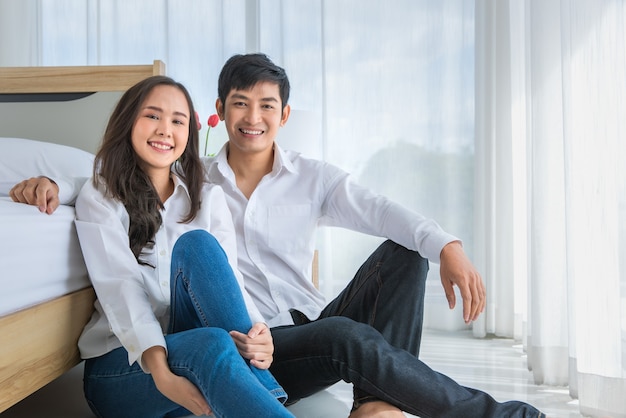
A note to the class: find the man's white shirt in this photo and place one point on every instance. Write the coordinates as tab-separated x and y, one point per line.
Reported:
276	227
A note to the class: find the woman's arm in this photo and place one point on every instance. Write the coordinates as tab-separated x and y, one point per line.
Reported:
122	290
46	193
176	388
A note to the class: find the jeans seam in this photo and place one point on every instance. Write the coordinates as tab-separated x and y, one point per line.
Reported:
194	300
373	271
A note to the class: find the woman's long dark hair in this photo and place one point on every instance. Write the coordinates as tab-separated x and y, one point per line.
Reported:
117	166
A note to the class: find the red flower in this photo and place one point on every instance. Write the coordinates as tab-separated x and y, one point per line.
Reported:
212	122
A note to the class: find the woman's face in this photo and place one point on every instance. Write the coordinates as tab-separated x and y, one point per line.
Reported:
161	130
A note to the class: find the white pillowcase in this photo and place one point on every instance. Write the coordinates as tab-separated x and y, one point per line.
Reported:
21	159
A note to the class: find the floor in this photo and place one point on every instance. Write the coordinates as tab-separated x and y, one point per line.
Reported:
496	365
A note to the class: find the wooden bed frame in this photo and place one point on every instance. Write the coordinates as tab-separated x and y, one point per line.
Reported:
39	343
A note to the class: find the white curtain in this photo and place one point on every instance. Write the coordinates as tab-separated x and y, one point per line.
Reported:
504	120
381	88
551	101
390	85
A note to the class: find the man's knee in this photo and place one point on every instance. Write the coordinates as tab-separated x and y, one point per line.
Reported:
342	330
402	268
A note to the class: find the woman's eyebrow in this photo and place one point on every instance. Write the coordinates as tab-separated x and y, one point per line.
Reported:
158	109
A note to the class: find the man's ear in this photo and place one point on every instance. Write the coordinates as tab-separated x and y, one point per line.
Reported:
285	115
219	107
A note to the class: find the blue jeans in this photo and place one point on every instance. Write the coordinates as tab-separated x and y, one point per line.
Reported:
206	303
370	336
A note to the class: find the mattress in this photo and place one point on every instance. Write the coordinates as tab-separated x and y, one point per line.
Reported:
41	256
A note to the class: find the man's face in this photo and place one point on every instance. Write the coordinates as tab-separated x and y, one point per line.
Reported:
253	117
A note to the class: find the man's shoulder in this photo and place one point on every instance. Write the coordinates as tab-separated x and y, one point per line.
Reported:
210	167
305	164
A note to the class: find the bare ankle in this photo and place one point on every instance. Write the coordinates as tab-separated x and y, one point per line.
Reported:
376	409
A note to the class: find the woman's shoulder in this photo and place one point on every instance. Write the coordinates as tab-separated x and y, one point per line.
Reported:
212	191
94	194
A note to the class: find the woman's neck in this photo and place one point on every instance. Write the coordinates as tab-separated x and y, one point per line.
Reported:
163	184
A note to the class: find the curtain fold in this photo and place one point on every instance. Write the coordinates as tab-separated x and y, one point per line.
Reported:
571	55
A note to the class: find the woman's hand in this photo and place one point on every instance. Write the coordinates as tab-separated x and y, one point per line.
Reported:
257	345
176	388
39	191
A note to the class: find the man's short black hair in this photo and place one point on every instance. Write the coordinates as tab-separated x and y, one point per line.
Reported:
242	72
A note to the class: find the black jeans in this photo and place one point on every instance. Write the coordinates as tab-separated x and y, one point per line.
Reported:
370	336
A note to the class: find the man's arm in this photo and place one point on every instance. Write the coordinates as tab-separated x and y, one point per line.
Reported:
455	268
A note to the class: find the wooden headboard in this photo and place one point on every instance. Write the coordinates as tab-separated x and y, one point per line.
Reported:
65	105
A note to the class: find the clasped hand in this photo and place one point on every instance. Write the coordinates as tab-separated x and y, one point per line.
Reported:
257	345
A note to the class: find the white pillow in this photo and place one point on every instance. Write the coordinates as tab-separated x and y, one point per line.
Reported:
24	158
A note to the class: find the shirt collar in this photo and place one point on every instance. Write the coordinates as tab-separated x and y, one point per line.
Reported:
178	183
220	162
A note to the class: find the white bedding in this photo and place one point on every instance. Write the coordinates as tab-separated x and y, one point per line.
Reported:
41	257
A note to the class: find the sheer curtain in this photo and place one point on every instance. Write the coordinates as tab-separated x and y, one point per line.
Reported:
383	89
551	127
527	167
390	85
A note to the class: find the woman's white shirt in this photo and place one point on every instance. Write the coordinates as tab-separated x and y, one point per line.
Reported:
133	305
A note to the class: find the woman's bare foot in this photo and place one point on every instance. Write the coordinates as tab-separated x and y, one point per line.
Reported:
376	409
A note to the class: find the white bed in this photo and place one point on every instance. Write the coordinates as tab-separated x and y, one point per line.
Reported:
45	260
46	298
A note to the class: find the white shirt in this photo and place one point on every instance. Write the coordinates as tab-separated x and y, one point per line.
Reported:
276	227
133	302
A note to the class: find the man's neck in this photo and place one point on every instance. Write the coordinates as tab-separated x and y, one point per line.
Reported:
249	168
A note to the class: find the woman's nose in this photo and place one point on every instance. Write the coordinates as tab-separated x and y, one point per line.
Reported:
163	129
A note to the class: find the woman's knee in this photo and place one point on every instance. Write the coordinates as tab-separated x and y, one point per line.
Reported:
205	336
197	238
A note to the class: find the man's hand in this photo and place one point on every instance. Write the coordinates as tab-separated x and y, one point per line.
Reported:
176	388
257	345
456	269
39	191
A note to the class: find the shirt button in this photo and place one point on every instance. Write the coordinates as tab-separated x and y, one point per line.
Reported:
164	283
162	253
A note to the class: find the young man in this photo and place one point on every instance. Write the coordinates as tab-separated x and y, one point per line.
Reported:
370	334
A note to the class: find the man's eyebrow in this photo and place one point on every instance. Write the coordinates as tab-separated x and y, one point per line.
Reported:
244	97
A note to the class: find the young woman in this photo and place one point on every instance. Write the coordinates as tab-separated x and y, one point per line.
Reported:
172	332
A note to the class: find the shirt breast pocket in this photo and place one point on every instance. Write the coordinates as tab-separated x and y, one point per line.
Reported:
289	227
